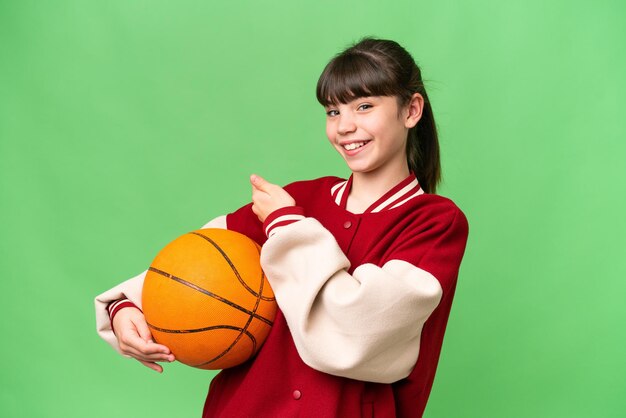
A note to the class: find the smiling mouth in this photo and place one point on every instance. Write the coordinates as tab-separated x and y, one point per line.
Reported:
354	145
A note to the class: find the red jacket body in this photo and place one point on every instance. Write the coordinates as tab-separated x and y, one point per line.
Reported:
428	231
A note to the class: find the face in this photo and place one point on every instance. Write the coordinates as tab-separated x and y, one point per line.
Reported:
370	133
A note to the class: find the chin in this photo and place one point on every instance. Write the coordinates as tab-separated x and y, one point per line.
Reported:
359	168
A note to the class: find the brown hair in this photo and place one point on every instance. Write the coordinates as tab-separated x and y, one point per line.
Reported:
379	67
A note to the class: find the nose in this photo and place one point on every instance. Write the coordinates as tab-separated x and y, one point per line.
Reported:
346	123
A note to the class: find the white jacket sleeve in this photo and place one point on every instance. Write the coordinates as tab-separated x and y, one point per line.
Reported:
131	290
365	326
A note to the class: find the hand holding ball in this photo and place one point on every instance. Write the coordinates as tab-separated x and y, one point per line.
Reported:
206	298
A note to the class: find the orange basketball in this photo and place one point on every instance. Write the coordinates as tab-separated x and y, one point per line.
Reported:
206	298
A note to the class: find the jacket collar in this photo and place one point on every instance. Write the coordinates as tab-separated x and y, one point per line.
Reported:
398	195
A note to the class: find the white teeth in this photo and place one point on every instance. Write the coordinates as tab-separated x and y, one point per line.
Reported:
354	145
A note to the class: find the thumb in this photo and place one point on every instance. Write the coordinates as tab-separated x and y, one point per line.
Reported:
143	330
259	182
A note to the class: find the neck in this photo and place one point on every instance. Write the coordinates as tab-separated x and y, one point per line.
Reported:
370	186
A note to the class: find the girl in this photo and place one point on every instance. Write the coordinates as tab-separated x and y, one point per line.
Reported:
363	269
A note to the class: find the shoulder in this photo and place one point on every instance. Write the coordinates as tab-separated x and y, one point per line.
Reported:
441	206
435	237
438	212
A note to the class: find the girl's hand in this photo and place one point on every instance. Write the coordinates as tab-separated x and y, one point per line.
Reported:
135	339
268	197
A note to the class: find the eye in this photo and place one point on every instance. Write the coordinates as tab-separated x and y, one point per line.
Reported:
364	106
332	112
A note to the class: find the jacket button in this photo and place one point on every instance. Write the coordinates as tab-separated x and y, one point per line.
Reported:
297	394
347	224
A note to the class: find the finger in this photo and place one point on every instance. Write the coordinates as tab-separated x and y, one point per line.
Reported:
154	366
259	183
136	344
151	346
143	330
159	352
134	339
151	357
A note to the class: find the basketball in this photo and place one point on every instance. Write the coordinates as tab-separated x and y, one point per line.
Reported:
206	297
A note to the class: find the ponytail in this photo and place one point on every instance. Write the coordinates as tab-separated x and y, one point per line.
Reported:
422	150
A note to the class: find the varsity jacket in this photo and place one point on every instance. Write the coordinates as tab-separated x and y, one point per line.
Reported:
363	304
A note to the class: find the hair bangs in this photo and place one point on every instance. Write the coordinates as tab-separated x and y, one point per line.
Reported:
353	75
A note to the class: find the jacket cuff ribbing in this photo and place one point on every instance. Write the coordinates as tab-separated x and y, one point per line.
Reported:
115	307
282	217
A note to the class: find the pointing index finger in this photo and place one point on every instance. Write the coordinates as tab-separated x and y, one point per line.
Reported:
258	182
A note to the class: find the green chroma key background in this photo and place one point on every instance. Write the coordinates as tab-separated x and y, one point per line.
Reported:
124	124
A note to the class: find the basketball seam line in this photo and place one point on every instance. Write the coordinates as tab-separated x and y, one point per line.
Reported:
223	353
211	294
232	266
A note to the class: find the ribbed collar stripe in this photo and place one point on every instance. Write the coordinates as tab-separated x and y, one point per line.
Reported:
344	192
341	192
417	193
333	190
396	196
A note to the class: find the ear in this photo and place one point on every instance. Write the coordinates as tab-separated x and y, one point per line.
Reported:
415	108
